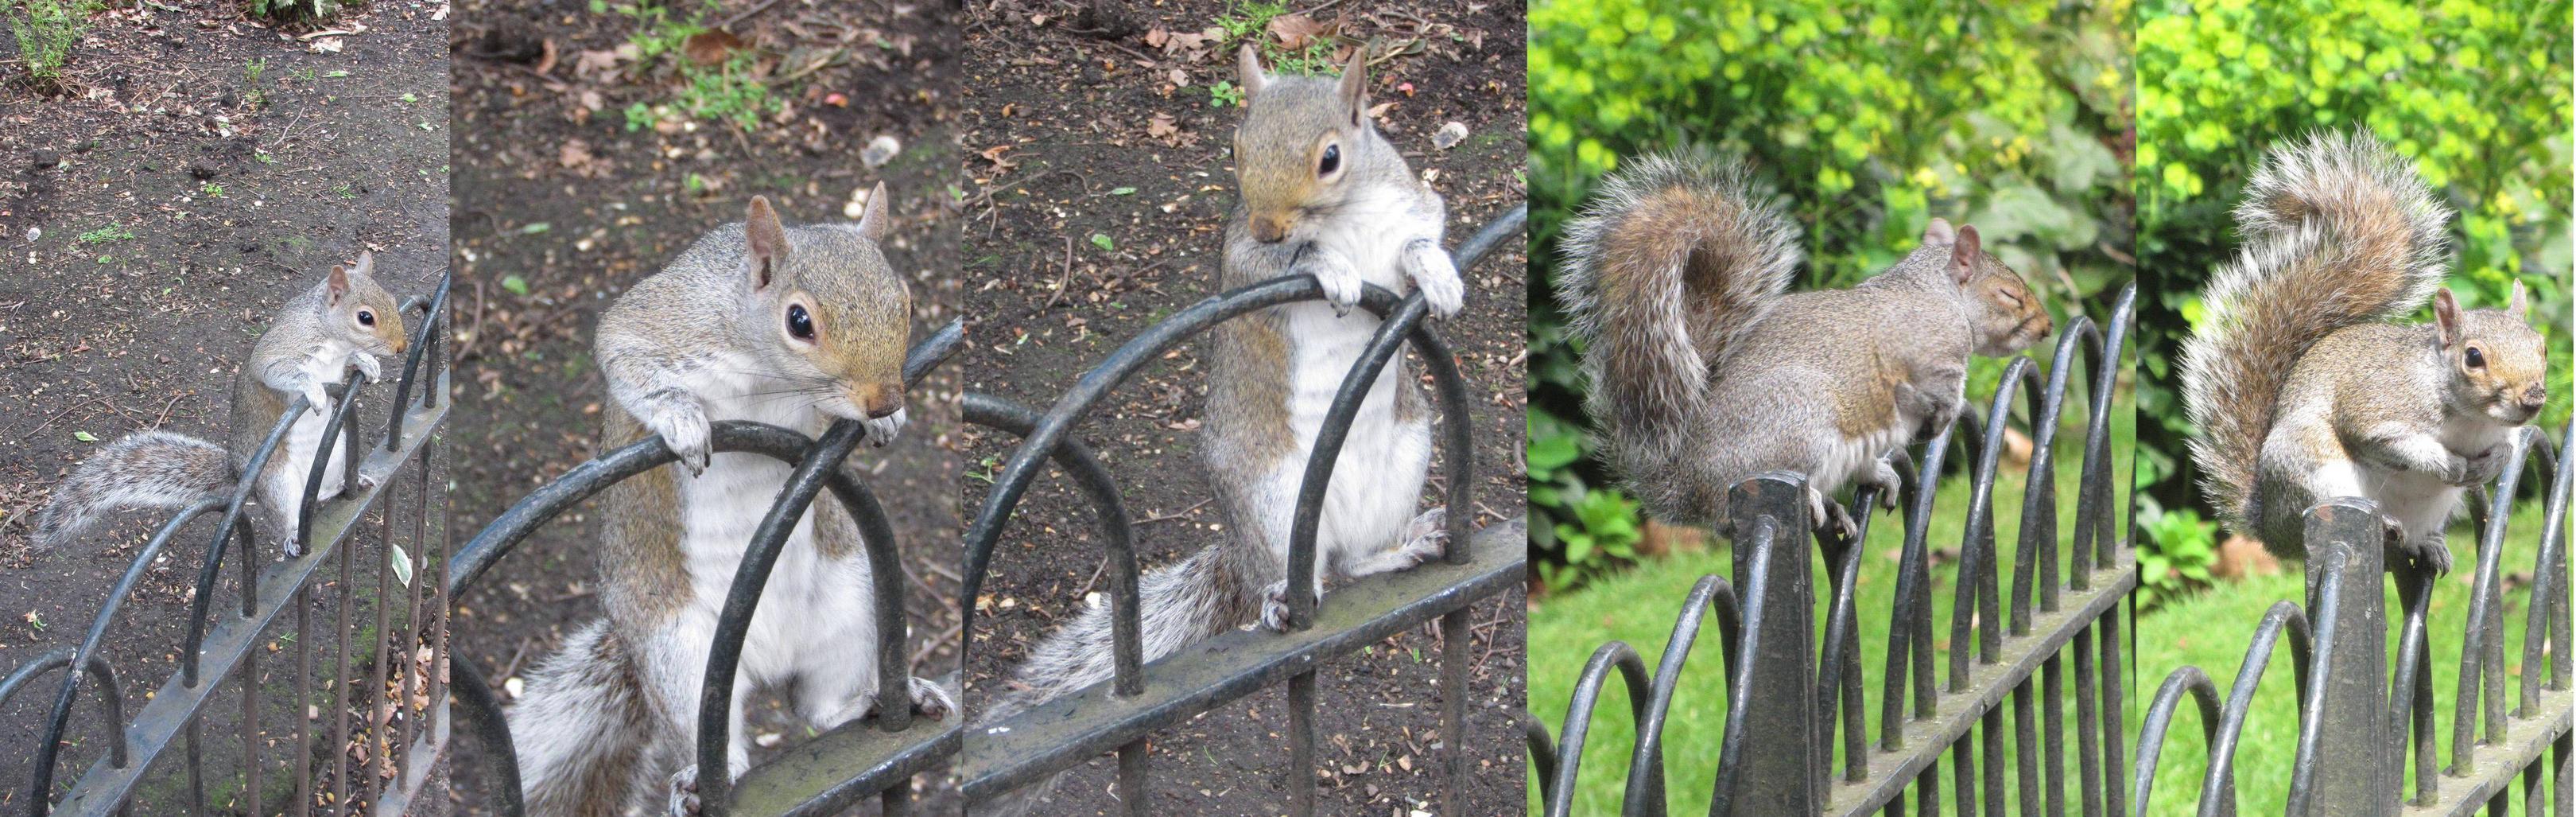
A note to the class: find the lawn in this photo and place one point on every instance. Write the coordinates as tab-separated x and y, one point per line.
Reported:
2210	630
1638	606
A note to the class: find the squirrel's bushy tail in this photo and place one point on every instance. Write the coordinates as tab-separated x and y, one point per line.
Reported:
1671	261
582	729
1211	592
146	469
2338	231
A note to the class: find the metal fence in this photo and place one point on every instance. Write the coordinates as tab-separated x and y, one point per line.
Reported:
1788	694
2360	717
1122	715
378	764
873	756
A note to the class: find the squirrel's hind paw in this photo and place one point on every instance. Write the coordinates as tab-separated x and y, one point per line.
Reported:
1274	607
931	701
684	793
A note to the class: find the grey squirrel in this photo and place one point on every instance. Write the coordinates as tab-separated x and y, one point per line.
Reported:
791	326
1705	371
345	319
1323	194
2302	387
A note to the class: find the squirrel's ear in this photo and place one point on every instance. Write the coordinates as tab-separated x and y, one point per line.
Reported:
1939	232
2446	316
1248	63
2519	305
336	286
1354	88
366	267
768	242
872	221
1963	254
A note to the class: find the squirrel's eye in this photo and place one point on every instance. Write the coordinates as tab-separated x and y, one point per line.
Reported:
2477	359
366	318
799	324
1332	161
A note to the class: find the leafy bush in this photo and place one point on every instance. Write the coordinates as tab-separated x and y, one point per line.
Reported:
46	31
2474	92
1868	119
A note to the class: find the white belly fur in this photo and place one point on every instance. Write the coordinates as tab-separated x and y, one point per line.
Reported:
815	614
1377	480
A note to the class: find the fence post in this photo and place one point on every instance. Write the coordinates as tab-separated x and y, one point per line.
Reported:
2344	757
1784	773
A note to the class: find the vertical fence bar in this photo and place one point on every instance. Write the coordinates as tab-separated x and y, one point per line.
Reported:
2343	757
303	757
1301	740
342	634
1772	570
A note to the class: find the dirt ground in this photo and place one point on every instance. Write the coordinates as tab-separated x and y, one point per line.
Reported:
156	208
560	206
1100	180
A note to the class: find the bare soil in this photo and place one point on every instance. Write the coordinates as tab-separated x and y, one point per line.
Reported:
157	206
1100	182
560	206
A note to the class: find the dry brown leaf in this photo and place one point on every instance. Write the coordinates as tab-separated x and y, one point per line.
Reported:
1162	127
1296	30
712	47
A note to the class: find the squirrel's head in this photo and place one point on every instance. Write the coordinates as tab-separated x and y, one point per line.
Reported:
2498	362
1300	138
356	310
840	316
2009	317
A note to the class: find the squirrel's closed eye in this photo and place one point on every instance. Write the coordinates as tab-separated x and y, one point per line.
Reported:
1332	161
366	318
799	324
2477	359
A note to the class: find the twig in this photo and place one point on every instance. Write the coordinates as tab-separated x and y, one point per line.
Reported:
1063	280
1175	514
746	14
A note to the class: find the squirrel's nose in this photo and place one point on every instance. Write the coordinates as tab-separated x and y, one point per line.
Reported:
2535	397
1269	229
881	400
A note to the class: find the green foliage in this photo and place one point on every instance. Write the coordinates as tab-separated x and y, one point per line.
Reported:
1225	95
2183	549
102	235
1866	120
732	91
1597	531
46	31
300	11
2474	92
251	71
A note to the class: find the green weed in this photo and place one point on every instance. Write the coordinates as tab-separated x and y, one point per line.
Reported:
46	30
106	234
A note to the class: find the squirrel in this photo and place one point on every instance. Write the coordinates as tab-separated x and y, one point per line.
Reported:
1705	371
346	320
792	326
2304	388
1322	194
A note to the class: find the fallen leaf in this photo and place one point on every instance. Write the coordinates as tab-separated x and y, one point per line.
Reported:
1162	127
1296	30
575	153
712	47
1449	136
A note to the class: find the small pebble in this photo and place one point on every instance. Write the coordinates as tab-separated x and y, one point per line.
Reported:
880	151
1449	135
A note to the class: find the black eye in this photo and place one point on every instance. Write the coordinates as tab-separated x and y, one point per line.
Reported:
799	324
366	318
1332	161
2477	359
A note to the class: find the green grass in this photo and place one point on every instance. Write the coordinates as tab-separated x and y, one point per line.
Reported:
1639	605
2210	630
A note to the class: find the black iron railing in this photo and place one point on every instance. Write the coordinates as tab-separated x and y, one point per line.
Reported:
1031	745
872	756
406	732
1789	694
2360	718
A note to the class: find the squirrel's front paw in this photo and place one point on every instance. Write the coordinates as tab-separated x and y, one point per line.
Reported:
685	431
368	367
2486	466
882	430
317	400
1437	276
1342	289
684	792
